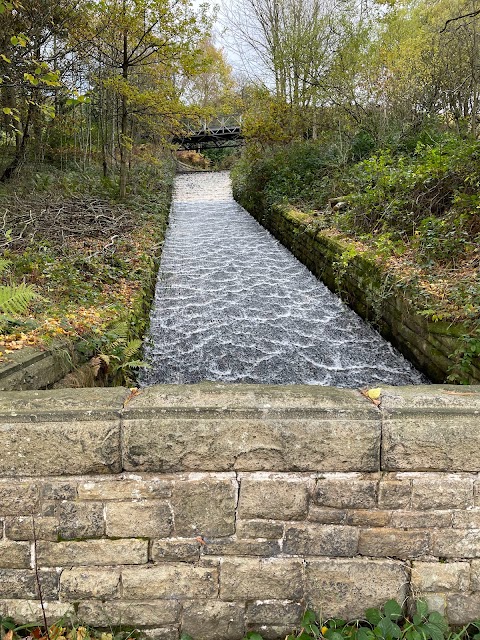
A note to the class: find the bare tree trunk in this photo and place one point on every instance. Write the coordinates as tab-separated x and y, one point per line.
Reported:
124	121
9	172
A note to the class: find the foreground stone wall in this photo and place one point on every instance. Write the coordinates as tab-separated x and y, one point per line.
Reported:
212	509
379	299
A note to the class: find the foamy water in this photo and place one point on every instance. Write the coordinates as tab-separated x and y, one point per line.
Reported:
233	305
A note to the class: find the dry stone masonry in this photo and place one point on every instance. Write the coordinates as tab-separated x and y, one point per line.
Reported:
215	509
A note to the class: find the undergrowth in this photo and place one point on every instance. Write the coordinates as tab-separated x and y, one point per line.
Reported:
414	210
79	265
388	622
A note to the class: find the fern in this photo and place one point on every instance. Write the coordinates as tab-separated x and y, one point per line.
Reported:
15	299
131	349
4	264
119	331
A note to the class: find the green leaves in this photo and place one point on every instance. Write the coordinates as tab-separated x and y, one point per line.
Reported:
20	40
15	299
385	623
5	6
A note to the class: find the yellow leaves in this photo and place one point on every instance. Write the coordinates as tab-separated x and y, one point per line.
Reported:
374	395
20	40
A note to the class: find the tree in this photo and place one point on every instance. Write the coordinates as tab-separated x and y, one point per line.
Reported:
141	45
213	90
30	33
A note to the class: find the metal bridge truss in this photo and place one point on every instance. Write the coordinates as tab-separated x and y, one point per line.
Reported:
225	131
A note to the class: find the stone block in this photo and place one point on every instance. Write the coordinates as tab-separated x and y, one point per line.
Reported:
432	396
59	490
49	583
22	584
265	428
421	519
346	491
326	515
393	543
83	583
175	551
205	505
469	519
430	440
131	614
15	555
321	540
476	493
271	632
456	543
475	575
268	529
345	588
394	494
175	580
149	519
17	583
265	444
162	633
214	620
368	518
436	602
92	553
30	611
263	548
125	488
18	498
462	608
271	612
21	528
68	447
261	579
441	491
274	496
440	576
80	520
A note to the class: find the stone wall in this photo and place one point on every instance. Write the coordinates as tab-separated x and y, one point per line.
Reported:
379	299
212	509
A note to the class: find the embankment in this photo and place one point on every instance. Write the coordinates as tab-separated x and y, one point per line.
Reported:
214	509
375	296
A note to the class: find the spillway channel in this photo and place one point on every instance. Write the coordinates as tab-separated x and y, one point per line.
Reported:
233	305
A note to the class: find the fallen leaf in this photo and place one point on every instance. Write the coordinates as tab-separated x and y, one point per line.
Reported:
373	395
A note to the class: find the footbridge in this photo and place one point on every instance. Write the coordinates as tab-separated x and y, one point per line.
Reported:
221	132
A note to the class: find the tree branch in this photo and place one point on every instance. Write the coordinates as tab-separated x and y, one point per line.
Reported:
473	14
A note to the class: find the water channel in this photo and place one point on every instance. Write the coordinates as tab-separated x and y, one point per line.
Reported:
233	305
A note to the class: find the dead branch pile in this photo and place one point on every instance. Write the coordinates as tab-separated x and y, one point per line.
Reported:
60	221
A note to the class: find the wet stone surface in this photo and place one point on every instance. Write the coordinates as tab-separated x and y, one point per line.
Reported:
233	305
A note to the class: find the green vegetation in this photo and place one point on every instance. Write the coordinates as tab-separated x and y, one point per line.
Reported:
371	130
415	212
91	93
80	265
385	623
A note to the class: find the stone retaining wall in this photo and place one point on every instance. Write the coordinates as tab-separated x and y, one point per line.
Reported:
363	285
213	509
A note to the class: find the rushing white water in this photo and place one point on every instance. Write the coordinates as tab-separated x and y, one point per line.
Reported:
233	305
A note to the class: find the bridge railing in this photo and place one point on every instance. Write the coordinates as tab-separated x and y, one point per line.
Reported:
220	123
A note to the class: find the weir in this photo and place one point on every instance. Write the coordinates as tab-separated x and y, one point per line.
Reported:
233	305
216	509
